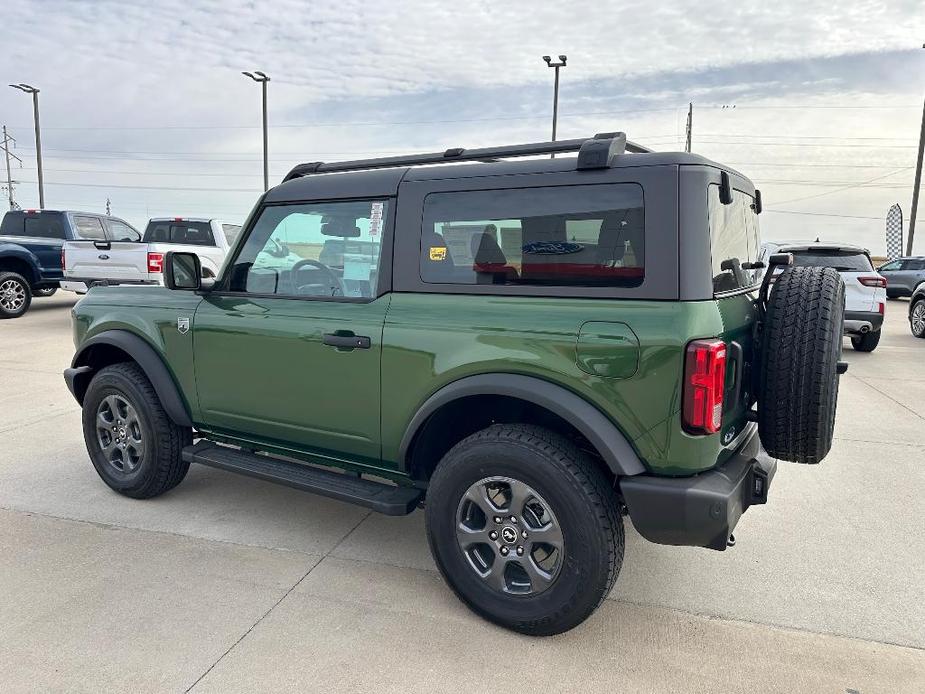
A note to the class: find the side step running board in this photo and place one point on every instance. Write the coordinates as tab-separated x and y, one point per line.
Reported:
383	498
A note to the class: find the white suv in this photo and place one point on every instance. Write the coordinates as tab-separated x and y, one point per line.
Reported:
865	288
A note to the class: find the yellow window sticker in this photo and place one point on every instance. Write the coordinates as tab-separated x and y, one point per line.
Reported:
438	253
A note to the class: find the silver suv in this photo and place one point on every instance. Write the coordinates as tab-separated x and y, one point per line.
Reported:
903	275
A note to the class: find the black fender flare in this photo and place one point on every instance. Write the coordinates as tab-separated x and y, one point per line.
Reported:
603	434
79	375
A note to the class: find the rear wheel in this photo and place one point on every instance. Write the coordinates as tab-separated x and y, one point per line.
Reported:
917	318
801	343
133	444
45	291
15	295
866	342
525	528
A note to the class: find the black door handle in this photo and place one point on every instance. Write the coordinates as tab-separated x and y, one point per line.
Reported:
350	341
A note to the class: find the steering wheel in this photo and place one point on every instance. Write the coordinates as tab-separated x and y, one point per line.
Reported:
333	286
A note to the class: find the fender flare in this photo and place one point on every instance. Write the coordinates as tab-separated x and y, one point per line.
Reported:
14	250
602	433
80	373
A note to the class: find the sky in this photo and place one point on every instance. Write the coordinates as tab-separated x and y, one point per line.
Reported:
819	103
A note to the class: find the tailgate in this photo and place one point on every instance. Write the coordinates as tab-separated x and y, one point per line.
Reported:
115	261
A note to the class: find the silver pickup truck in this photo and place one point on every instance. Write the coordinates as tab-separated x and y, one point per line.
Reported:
124	261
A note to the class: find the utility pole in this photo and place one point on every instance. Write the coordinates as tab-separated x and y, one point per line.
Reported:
29	89
260	77
918	184
690	125
7	139
555	93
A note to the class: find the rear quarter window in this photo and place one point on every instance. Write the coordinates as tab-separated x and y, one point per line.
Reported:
90	228
734	241
578	236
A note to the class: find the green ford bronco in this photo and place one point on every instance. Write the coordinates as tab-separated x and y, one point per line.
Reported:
529	348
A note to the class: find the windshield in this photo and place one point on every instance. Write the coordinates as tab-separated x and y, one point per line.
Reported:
843	260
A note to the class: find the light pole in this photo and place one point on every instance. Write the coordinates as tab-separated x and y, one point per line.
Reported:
258	76
555	93
29	89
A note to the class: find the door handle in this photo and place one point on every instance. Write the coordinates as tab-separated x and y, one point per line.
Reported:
103	245
346	341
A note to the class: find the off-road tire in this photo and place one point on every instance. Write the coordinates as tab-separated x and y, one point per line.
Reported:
867	342
579	493
801	341
15	280
162	467
45	292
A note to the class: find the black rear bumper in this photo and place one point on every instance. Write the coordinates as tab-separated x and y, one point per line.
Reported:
699	511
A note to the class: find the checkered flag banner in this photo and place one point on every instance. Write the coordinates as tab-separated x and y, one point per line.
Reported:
894	232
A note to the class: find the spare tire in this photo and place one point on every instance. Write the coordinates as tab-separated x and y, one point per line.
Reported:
801	341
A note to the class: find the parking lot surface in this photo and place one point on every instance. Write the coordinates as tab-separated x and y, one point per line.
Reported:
231	584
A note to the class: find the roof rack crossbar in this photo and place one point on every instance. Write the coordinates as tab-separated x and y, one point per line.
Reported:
457	154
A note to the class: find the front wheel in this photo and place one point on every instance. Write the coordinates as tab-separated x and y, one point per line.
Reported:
866	342
133	444
525	528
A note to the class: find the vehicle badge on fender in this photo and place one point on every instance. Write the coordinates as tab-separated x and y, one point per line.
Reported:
183	325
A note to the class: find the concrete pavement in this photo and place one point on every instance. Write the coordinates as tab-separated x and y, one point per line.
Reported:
230	584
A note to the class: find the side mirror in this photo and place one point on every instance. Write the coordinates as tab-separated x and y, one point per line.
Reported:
182	271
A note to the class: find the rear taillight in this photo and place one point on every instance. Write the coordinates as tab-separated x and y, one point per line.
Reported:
155	262
872	281
881	308
62	259
704	383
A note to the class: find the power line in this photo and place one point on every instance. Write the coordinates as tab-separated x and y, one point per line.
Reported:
848	187
823	214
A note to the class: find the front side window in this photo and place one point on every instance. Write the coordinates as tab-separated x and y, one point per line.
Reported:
119	231
734	241
584	236
89	228
314	250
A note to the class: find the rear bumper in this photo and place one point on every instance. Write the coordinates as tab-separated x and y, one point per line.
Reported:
111	282
72	286
863	321
703	510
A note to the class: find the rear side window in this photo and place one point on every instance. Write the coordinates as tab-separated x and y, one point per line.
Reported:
120	231
734	241
231	231
90	228
582	236
844	260
189	233
43	226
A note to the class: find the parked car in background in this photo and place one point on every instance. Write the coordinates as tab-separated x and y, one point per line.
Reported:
865	289
917	311
90	263
903	276
31	244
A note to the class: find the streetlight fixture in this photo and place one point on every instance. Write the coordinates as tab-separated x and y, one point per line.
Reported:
260	77
555	94
29	89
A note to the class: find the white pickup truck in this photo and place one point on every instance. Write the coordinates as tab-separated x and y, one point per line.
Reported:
121	261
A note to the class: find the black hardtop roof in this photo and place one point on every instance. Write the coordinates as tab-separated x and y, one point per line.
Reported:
384	182
382	176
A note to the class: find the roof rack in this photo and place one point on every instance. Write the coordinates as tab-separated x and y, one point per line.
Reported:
594	153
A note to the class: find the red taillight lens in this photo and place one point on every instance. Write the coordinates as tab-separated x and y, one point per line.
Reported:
872	281
881	308
155	262
704	383
62	259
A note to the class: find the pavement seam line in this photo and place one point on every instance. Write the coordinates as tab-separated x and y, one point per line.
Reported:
276	604
890	397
